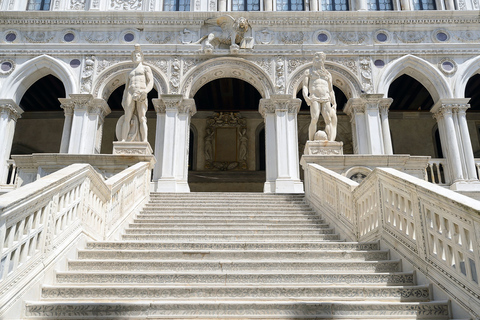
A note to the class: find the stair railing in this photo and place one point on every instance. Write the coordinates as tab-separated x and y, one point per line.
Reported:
437	230
39	221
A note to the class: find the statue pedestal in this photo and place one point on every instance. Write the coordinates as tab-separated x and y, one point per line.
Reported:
132	148
323	148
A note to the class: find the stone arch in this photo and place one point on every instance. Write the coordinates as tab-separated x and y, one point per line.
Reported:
464	73
418	69
342	78
113	77
31	71
227	68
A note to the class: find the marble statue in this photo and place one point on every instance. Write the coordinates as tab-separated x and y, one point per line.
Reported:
320	97
132	126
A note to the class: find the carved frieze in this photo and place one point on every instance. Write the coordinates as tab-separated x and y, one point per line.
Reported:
264	36
39	36
351	37
77	4
295	63
125	4
411	36
295	37
99	37
160	37
265	64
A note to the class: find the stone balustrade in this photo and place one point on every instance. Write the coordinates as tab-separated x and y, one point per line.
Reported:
42	221
433	228
436	172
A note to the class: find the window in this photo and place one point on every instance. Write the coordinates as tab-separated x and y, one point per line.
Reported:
38	5
290	5
176	5
245	5
380	5
335	5
424	5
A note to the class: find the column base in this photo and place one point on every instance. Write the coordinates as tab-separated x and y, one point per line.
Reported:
132	148
466	186
283	186
169	186
323	147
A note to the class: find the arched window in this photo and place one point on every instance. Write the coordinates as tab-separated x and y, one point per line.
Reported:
335	5
380	5
38	5
176	5
245	5
290	5
424	5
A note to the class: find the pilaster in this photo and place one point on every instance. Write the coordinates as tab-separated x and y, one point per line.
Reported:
282	165
84	116
456	144
9	114
369	118
171	142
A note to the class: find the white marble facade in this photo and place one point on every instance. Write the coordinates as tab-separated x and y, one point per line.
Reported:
89	52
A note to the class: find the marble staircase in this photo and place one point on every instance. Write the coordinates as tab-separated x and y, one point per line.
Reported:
234	256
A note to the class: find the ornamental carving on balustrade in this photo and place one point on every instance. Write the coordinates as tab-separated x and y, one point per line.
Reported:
366	74
160	37
351	37
125	4
411	36
99	37
237	125
294	37
77	4
87	74
39	36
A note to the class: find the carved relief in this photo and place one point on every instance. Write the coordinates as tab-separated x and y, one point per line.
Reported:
161	64
77	4
350	63
297	37
160	37
99	37
175	75
264	37
265	64
295	63
125	4
411	36
279	75
351	37
39	36
87	74
236	125
188	36
366	74
467	36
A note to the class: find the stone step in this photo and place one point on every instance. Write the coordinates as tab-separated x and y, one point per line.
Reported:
229	231
247	279
205	309
227	195
234	245
372	255
223	226
225	202
235	237
252	293
264	266
237	219
252	211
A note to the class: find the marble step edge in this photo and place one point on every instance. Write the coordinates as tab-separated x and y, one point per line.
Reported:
237	237
204	309
178	231
256	211
209	215
202	220
228	226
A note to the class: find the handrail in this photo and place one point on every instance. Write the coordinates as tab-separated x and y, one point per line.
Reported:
435	229
39	220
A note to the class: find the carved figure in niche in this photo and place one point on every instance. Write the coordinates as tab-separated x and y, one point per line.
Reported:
318	93
234	32
209	144
133	125
242	150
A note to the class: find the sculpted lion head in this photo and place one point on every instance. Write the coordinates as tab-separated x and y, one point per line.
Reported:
241	25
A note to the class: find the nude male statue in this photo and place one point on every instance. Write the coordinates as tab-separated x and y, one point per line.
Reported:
139	84
318	83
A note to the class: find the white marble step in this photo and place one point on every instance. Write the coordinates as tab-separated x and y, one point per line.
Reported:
177	231
233	245
230	210
235	237
237	219
204	309
223	226
265	266
242	278
347	255
252	293
229	195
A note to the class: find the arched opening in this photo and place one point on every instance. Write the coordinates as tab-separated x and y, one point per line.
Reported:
344	129
39	130
472	91
411	123
227	119
115	103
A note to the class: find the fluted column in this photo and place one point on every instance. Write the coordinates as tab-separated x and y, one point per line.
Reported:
369	118
456	143
9	114
84	136
281	142
171	142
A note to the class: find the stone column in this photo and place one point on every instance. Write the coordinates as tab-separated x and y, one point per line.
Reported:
86	124
361	5
369	118
268	5
456	143
67	126
281	140
171	142
9	114
314	5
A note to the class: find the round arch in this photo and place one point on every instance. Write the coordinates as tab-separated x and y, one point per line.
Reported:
342	78
115	76
418	69
31	71
226	68
464	73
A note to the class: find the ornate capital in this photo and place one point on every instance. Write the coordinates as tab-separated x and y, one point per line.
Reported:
10	108
85	102
174	102
448	106
279	102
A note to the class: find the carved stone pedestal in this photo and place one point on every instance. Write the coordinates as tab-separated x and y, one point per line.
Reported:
323	148
132	148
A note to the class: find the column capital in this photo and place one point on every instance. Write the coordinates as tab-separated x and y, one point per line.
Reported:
443	106
9	107
367	101
279	102
171	102
86	102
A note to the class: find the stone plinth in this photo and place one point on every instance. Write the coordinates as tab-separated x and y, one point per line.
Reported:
132	148
323	147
